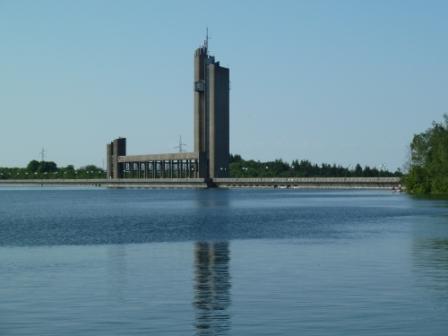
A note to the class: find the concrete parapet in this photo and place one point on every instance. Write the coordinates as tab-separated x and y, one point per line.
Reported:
166	156
117	183
312	182
293	182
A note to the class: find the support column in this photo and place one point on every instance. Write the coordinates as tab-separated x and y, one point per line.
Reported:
115	149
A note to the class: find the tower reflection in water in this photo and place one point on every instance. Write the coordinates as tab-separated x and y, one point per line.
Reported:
212	288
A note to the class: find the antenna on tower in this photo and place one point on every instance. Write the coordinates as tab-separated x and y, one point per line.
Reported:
181	145
206	38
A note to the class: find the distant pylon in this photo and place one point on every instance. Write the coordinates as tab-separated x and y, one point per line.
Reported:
181	145
42	154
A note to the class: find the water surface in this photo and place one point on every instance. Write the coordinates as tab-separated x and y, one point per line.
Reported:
221	262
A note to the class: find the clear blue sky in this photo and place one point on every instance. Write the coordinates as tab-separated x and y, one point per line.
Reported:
329	81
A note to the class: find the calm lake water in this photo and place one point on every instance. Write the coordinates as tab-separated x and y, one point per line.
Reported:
221	262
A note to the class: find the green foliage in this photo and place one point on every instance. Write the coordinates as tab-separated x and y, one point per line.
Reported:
304	168
428	168
49	170
33	166
238	168
42	167
48	167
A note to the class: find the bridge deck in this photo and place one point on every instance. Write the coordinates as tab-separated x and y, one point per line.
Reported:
299	182
311	182
117	183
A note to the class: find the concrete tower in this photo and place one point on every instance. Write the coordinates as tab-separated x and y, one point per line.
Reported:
211	114
210	158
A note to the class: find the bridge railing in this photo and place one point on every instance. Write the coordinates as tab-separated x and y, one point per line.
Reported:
309	180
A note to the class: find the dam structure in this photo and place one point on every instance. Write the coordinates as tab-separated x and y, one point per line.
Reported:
210	158
206	166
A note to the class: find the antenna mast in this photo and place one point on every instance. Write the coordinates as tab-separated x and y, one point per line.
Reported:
206	40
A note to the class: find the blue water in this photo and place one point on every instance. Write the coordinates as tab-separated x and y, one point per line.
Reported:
221	262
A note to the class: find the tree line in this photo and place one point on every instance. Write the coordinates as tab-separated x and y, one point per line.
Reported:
238	168
303	168
49	170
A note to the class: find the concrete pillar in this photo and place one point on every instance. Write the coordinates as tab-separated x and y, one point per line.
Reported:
218	92
118	147
200	62
109	160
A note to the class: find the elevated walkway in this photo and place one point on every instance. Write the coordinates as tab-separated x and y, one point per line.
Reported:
115	183
287	182
311	182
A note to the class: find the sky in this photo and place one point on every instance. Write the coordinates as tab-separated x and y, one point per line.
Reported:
340	82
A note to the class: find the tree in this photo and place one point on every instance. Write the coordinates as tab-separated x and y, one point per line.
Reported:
235	158
428	167
48	167
33	166
358	170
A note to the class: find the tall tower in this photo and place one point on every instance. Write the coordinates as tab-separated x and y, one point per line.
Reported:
211	114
